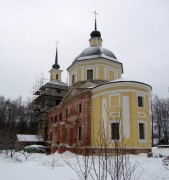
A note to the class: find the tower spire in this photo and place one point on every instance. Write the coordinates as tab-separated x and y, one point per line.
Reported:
95	39
95	19
56	65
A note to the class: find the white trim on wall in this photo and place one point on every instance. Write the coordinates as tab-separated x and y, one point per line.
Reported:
104	117
123	84
110	96
97	73
109	74
105	73
141	115
116	74
90	68
118	91
126	117
82	74
114	115
143	96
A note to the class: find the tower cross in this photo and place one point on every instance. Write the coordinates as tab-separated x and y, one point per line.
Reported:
95	15
57	42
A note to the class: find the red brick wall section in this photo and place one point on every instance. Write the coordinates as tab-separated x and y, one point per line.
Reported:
74	119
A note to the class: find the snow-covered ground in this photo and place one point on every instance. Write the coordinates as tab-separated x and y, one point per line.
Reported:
39	166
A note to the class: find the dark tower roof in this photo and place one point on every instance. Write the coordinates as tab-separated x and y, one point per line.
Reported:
95	33
56	65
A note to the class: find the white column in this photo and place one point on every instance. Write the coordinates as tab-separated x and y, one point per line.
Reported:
82	74
126	117
104	117
105	73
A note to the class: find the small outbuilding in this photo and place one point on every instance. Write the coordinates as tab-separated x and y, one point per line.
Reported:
26	140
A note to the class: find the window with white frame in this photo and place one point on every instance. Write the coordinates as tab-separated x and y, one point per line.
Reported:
89	74
142	131
142	135
140	101
115	134
73	79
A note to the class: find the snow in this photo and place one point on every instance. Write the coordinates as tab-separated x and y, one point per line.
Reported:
29	138
122	79
57	82
41	166
35	146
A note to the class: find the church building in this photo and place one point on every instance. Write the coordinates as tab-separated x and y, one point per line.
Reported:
100	105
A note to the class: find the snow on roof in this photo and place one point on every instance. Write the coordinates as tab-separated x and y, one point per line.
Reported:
96	56
35	146
129	80
29	138
57	82
122	79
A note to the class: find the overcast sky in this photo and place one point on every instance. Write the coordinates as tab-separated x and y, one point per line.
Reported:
136	31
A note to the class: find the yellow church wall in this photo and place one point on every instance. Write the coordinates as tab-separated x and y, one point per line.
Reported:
102	69
78	74
136	114
101	72
53	73
121	88
111	75
137	118
95	120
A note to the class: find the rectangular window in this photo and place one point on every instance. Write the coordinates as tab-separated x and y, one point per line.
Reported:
73	79
140	100
58	136
57	76
55	118
115	131
66	112
65	134
51	119
141	131
79	108
89	74
60	116
79	134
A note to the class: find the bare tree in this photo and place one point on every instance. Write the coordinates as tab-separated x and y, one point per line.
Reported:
106	158
161	117
16	116
25	154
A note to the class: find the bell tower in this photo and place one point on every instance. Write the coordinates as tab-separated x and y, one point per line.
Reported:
55	72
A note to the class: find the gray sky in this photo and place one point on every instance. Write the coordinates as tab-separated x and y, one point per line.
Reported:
136	31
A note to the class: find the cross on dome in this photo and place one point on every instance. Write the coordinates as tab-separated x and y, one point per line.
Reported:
95	15
57	42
